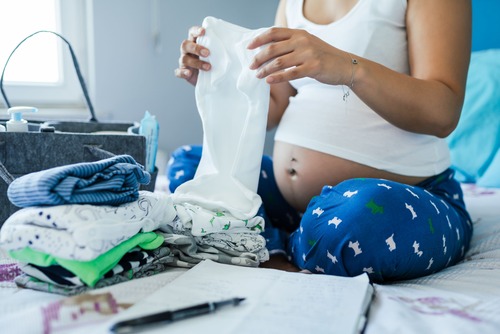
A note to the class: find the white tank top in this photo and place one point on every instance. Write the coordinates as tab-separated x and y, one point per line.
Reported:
319	119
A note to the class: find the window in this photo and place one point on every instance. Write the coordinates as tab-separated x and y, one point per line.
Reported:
40	72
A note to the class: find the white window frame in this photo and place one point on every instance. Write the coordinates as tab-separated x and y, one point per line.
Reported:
65	99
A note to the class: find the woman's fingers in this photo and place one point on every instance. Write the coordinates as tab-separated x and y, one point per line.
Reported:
183	73
190	46
270	52
289	54
281	48
195	32
270	35
278	64
194	62
272	41
190	53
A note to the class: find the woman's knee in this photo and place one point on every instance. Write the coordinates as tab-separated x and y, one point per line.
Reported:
327	241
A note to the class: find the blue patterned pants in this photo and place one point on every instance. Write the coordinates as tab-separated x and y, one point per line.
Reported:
387	229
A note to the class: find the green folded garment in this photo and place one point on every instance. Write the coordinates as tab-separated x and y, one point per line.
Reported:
92	271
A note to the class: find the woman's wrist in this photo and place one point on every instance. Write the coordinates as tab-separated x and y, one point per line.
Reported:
349	78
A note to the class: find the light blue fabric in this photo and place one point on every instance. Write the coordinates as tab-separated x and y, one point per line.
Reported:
475	143
110	181
491	178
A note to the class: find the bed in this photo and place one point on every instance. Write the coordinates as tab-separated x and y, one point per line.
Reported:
461	299
464	298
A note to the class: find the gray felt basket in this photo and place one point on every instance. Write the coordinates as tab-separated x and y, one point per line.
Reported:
68	143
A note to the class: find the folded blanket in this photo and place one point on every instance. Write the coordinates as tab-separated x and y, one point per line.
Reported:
110	181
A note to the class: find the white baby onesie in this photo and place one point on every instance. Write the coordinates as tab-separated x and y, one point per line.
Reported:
233	106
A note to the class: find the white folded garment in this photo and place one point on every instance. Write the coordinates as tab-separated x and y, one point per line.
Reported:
233	106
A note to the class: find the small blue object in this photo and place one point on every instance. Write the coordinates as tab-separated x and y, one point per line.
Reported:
150	129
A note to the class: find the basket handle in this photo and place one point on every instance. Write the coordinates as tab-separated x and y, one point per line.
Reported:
75	64
5	175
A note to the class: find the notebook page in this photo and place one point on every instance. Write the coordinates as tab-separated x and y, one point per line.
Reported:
276	301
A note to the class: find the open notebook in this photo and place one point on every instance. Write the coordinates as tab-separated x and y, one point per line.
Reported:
275	301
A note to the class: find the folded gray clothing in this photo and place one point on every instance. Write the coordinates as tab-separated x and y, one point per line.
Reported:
110	181
188	252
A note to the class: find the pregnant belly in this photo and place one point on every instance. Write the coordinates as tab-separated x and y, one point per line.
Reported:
301	173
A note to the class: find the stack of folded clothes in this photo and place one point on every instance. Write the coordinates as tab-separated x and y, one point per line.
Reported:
197	234
86	225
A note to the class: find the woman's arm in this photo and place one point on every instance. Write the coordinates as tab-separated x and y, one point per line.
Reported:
430	100
280	92
427	101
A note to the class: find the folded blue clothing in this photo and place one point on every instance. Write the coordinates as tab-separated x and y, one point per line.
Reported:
110	181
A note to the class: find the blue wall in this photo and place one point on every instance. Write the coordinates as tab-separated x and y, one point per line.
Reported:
485	24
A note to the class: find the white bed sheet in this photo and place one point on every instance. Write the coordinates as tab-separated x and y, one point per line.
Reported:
464	298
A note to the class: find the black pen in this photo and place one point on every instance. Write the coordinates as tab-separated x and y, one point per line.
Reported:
132	325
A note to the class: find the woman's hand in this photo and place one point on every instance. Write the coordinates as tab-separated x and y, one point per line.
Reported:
189	61
294	53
